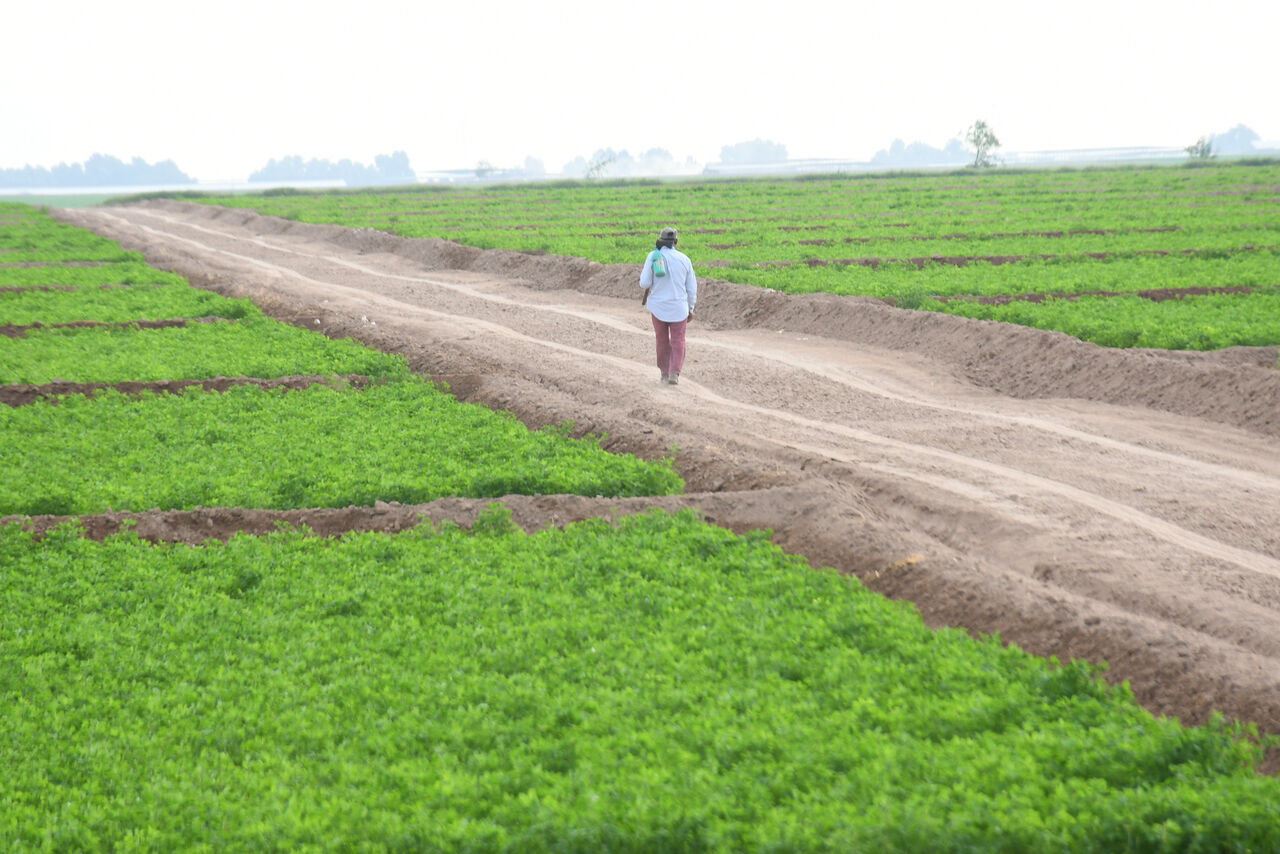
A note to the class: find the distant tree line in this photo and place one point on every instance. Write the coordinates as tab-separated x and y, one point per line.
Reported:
755	151
919	154
100	170
386	169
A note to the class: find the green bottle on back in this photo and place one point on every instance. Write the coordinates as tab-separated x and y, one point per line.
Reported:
659	264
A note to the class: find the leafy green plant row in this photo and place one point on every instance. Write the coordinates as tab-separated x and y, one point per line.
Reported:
63	200
254	346
36	236
248	447
123	273
1191	323
139	302
661	685
1032	276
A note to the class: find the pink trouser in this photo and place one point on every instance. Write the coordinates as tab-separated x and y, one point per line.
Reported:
670	345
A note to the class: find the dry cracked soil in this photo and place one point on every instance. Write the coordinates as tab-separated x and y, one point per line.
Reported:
1107	505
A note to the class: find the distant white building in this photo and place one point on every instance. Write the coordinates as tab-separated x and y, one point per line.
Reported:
1081	156
1131	154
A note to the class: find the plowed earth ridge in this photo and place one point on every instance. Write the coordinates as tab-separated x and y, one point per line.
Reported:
27	394
17	330
1082	502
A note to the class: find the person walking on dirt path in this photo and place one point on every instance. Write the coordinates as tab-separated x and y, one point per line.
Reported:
670	292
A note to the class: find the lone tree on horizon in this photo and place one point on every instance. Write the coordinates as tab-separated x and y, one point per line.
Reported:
984	142
600	164
1201	149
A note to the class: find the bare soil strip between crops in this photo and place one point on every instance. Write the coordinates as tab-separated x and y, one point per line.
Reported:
834	241
25	264
17	331
18	289
26	394
922	261
1074	527
194	527
1082	232
1153	294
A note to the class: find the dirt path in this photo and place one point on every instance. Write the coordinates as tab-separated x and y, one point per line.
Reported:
1082	502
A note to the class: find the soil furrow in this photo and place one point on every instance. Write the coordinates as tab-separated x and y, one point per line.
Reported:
25	394
17	331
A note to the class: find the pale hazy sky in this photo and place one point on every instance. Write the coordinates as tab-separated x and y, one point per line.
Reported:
221	87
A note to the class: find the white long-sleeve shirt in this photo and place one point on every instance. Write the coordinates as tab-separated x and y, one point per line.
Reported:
675	294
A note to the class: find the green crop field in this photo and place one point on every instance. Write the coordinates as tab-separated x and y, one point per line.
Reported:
910	239
57	200
114	303
103	275
397	440
658	685
400	441
650	684
255	347
1194	322
29	238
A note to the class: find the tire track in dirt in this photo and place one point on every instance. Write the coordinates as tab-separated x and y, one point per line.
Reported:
1242	477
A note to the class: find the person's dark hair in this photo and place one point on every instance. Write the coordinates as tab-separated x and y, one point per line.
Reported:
669	242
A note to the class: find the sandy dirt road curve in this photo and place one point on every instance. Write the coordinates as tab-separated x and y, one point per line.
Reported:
1082	502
